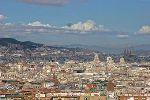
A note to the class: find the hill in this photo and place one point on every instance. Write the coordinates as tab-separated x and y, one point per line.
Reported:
26	44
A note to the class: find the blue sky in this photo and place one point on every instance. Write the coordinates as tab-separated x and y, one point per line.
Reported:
122	22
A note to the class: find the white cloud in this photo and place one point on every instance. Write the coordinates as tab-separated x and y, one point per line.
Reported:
122	35
86	26
45	2
144	30
83	26
38	23
2	17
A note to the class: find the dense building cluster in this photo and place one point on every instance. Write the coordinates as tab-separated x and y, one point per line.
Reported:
93	79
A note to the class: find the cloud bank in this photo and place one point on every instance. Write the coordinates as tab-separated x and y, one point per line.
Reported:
86	27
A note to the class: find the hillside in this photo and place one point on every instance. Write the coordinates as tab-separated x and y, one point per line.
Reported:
25	44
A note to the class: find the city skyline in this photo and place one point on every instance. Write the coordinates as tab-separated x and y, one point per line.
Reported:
74	50
90	22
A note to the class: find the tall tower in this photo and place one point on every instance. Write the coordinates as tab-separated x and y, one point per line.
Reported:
110	60
122	61
96	58
129	52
